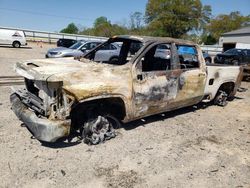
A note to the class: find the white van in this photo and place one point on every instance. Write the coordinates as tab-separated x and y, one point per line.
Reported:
16	38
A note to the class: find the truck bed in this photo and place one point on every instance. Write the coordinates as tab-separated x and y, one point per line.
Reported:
218	74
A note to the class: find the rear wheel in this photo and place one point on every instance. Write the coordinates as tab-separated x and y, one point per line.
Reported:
99	128
114	60
208	60
221	98
16	44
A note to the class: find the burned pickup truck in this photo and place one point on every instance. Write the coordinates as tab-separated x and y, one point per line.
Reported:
150	76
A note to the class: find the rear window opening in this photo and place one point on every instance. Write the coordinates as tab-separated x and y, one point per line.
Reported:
188	57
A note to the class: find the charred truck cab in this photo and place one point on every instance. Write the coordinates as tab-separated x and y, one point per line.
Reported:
150	76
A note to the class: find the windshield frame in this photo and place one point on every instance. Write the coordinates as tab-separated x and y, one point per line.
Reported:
91	54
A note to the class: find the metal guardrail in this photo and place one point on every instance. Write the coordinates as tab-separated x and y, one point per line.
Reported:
52	37
212	49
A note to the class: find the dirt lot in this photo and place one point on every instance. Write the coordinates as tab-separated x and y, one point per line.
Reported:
200	146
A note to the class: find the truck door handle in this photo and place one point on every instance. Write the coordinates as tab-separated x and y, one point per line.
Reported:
202	74
139	77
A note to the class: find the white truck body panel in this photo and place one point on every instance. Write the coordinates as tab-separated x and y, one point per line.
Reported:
220	74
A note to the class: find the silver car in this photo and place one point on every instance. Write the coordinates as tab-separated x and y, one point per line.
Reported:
76	50
163	51
109	52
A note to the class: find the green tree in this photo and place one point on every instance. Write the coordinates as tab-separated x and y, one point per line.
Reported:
136	20
101	21
224	23
208	39
103	27
175	18
71	28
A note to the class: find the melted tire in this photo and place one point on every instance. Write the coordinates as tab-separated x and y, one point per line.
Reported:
99	129
221	98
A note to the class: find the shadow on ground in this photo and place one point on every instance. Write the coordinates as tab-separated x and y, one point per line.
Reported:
72	140
164	116
22	47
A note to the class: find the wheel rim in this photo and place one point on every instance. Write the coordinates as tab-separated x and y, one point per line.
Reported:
207	61
114	60
99	129
221	98
16	44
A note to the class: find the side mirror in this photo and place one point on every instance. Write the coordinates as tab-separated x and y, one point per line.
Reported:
83	49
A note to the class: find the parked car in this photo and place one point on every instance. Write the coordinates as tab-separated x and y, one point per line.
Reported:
16	38
109	52
207	57
65	42
235	56
76	50
92	98
163	51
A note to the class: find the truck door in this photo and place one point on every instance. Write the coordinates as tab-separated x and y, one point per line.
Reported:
155	80
192	76
162	84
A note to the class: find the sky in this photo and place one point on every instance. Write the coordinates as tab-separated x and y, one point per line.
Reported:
54	15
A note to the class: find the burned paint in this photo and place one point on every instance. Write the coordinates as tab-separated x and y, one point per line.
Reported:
216	75
159	92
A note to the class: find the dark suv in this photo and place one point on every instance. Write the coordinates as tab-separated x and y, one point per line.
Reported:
235	56
65	42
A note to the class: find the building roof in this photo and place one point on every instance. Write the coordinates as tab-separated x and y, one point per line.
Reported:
242	31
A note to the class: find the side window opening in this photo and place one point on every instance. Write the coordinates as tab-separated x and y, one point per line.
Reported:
188	57
112	47
92	45
86	46
158	58
108	47
134	47
105	47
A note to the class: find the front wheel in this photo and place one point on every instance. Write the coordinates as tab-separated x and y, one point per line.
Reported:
99	128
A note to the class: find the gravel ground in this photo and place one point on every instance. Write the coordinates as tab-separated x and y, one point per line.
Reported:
199	146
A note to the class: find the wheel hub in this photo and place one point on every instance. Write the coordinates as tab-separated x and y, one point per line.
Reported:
98	130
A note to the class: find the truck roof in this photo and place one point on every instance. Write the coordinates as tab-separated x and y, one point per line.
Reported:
146	39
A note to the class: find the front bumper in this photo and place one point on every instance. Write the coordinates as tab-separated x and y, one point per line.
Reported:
49	55
42	128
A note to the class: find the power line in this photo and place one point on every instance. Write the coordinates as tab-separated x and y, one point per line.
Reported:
44	14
